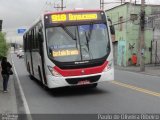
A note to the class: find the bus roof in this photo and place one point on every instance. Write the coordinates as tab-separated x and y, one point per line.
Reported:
72	11
61	12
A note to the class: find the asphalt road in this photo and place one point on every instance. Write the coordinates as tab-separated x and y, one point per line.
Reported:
129	93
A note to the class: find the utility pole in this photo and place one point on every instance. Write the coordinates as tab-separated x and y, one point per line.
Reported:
100	4
61	7
56	6
142	41
121	2
135	2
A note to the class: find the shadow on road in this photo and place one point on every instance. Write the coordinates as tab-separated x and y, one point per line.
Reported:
72	90
76	91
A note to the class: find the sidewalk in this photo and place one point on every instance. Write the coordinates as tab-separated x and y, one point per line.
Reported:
8	102
149	69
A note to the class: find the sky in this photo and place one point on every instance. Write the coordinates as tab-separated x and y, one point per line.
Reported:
22	13
17	13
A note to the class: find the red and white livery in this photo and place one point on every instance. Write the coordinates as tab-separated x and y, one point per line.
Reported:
70	48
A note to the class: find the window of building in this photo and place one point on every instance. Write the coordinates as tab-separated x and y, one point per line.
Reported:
133	17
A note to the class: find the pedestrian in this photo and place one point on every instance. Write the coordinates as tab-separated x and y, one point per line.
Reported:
6	67
134	59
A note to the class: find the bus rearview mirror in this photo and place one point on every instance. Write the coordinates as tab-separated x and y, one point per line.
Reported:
112	30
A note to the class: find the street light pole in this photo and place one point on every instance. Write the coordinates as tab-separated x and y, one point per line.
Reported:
142	41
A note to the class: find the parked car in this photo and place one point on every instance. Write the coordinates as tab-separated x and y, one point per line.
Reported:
21	54
19	51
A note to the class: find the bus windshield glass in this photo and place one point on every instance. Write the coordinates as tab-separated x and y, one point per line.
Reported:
78	43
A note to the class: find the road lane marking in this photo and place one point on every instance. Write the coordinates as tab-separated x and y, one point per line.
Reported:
28	113
136	88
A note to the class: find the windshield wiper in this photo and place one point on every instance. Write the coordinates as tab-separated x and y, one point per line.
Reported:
69	33
88	37
88	40
90	31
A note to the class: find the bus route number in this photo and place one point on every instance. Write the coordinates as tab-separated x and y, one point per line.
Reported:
59	17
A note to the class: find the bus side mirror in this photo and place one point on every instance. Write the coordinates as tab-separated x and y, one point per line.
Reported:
112	30
112	33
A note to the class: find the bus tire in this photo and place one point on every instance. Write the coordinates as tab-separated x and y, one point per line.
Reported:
46	87
31	77
29	70
40	75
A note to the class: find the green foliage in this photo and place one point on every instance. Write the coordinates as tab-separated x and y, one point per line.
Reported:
3	45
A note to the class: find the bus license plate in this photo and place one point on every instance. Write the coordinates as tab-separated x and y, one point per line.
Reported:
84	82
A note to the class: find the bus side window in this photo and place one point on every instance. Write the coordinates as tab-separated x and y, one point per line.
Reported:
40	33
40	37
30	42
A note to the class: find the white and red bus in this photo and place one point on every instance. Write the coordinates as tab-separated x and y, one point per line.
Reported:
70	48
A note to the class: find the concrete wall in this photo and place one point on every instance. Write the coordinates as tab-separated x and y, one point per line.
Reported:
115	15
128	38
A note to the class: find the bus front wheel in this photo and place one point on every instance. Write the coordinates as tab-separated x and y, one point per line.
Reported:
30	76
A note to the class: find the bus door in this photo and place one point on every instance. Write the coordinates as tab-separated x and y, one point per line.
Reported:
41	52
31	50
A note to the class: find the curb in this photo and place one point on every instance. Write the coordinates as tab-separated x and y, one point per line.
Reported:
136	71
22	105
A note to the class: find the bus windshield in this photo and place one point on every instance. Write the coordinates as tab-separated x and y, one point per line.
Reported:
78	43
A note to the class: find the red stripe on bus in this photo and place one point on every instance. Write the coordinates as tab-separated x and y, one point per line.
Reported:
81	71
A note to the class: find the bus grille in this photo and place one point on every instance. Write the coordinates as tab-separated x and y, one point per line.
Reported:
92	79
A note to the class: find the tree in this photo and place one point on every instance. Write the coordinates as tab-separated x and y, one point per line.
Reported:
3	45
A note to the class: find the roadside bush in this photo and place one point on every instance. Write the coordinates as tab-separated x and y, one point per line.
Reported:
3	45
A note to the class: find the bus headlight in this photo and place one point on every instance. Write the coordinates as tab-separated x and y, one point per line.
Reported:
54	72
109	66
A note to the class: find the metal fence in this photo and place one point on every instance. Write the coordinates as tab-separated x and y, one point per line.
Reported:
155	53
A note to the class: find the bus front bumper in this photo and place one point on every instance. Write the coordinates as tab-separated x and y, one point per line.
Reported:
55	82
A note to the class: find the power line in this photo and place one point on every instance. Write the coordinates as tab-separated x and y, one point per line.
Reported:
102	3
60	6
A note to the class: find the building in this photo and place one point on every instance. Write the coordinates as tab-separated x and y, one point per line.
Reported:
126	19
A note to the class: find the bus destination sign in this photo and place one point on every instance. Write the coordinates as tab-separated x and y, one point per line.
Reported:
73	17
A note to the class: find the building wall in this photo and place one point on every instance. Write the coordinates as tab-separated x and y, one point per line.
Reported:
128	38
120	48
133	33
